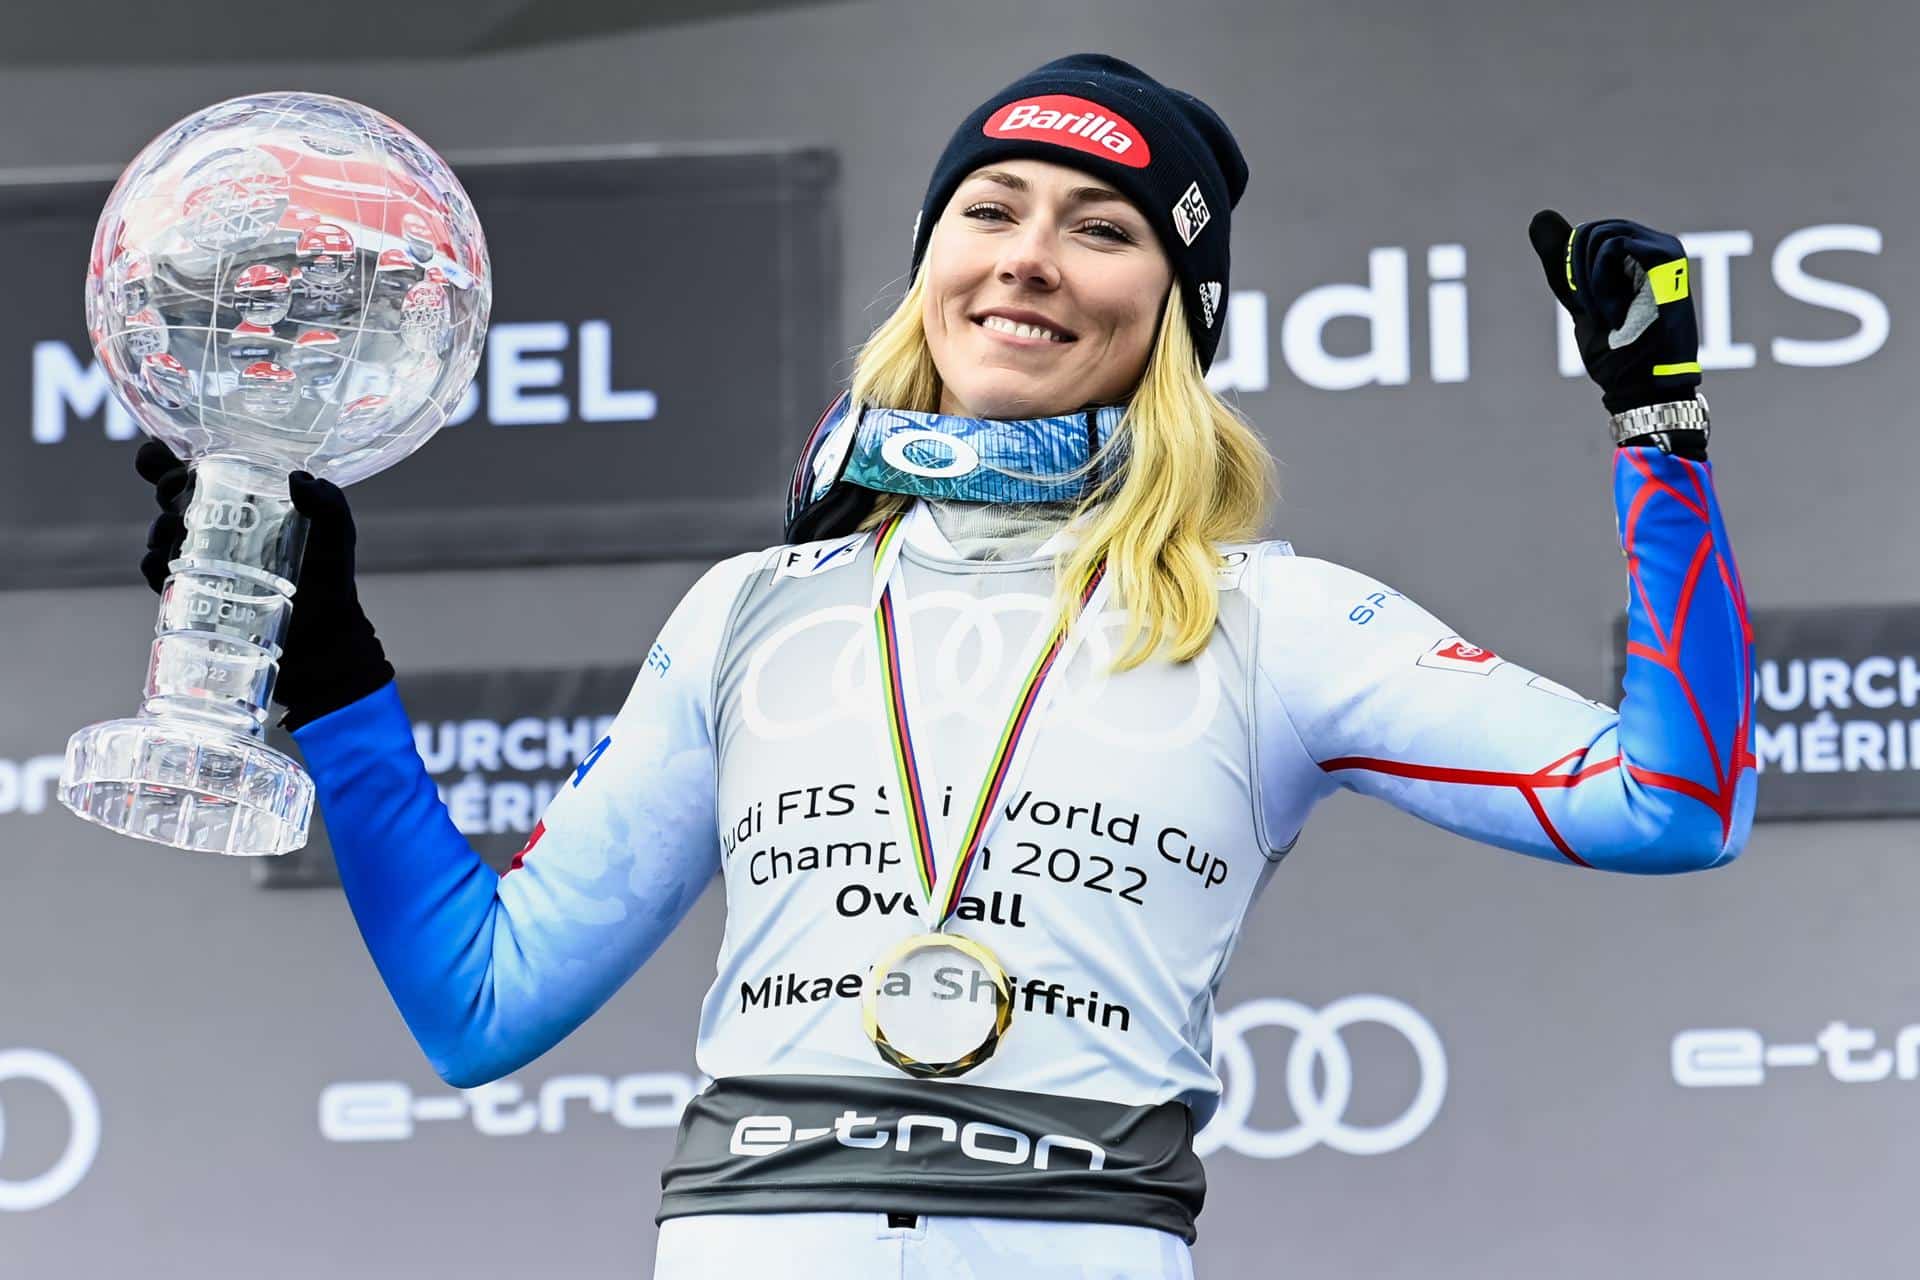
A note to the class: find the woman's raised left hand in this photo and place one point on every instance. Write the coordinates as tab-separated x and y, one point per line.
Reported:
1626	287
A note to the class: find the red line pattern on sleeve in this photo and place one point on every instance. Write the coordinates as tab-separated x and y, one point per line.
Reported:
1665	654
1546	778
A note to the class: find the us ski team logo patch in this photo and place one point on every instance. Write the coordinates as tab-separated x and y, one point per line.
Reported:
1190	214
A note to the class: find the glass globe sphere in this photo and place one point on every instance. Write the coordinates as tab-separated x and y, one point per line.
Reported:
292	279
285	282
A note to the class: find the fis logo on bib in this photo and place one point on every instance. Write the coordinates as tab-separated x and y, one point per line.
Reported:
805	561
1071	122
1455	654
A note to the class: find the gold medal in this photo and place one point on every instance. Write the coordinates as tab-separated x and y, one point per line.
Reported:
937	1005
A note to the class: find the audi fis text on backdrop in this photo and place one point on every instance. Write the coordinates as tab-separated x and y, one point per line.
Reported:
526	379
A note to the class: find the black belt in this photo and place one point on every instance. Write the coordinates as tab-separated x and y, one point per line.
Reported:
904	1147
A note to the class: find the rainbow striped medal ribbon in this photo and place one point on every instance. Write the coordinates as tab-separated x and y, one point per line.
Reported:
938	1004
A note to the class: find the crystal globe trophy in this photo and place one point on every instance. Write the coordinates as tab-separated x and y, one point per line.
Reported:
283	282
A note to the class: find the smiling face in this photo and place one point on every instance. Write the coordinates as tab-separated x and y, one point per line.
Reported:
1043	293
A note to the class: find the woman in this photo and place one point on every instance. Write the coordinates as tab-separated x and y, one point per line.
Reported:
1022	675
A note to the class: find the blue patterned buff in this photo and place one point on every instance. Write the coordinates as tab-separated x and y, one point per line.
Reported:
933	455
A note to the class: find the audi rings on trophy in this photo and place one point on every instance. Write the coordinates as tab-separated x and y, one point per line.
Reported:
279	283
1319	1078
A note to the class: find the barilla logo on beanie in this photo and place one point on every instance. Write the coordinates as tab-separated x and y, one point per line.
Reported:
1071	122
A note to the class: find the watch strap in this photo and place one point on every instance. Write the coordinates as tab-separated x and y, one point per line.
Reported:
1659	420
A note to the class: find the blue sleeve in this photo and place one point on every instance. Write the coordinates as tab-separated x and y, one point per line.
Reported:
1384	699
490	971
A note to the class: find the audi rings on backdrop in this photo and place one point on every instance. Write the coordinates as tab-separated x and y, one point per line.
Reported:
83	1129
1319	1097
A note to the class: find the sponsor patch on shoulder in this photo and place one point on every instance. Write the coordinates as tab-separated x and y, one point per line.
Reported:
1455	654
804	562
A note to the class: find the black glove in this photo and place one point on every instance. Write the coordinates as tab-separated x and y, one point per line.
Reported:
1626	287
330	656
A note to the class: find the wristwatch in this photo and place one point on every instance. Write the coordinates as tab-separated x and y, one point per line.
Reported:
1651	424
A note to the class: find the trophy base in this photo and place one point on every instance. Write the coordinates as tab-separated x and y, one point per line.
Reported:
187	785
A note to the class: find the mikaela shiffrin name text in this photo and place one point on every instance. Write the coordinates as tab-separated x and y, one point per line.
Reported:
773	836
784	990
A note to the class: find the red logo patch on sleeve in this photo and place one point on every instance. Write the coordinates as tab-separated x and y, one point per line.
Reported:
1455	654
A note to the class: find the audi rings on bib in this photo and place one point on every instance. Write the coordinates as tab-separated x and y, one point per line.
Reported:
851	681
83	1129
1319	1079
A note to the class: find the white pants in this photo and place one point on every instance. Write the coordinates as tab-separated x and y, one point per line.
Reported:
861	1246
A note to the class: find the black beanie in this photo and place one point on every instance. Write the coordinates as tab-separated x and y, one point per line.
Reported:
1166	151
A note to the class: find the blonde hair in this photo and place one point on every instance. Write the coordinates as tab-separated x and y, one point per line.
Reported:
1195	475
